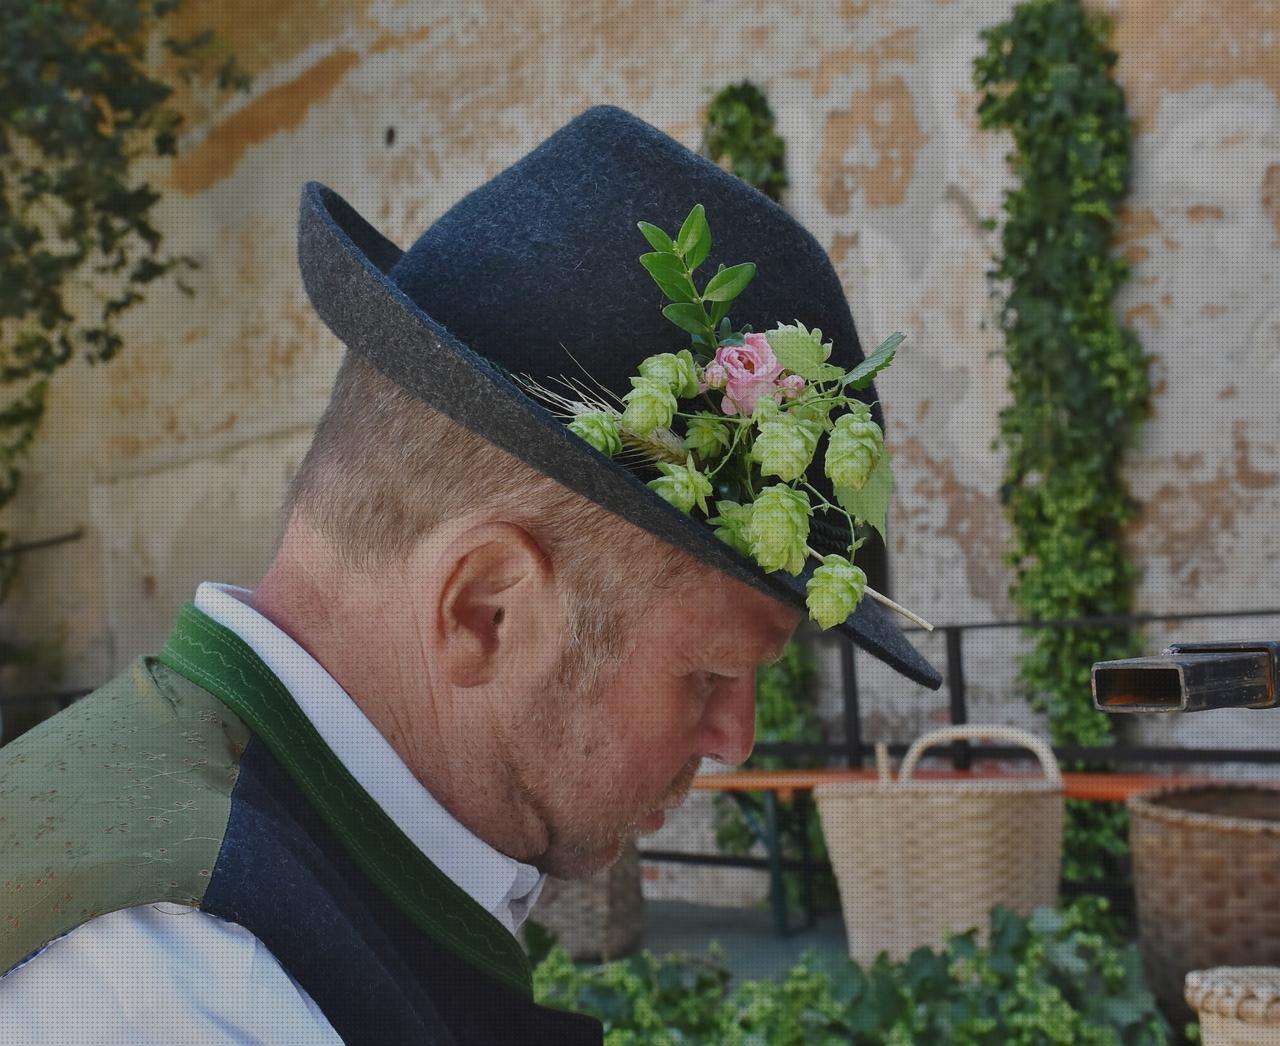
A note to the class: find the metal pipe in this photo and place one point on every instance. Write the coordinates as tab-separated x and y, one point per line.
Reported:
1191	677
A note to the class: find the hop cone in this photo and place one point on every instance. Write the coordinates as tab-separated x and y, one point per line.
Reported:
779	528
600	429
853	448
706	436
650	405
732	525
676	371
834	591
785	446
682	485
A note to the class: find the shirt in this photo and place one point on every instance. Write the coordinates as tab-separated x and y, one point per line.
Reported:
168	974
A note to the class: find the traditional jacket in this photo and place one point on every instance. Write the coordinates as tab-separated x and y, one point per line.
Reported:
194	778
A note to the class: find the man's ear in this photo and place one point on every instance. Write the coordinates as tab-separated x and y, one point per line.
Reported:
495	613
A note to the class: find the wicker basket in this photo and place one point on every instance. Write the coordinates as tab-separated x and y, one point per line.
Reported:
916	859
1206	870
1237	1005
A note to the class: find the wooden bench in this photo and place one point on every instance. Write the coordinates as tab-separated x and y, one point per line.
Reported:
775	786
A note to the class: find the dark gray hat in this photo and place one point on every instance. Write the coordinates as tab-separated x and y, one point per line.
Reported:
536	271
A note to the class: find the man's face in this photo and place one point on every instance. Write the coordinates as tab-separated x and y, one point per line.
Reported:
600	767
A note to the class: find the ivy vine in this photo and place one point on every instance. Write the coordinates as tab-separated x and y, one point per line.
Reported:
77	108
1079	380
738	134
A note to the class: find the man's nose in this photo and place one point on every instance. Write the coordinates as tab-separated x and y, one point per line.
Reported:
729	723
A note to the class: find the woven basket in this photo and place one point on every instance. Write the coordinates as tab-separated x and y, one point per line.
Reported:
1237	1005
1206	870
916	860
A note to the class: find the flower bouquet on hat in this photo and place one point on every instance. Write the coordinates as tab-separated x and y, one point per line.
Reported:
731	425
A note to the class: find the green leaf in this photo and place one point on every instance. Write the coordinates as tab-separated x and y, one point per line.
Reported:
798	349
668	273
871	503
694	239
689	317
727	284
658	239
861	375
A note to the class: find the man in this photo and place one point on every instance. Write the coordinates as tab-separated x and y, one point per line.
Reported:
484	653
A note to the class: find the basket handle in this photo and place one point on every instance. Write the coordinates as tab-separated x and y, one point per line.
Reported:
973	731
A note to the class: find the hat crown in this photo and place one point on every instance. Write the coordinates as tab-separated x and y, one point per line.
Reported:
543	257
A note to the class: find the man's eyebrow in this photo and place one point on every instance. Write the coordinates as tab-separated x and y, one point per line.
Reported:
733	653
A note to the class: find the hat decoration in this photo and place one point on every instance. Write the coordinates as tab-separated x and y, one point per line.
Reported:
732	424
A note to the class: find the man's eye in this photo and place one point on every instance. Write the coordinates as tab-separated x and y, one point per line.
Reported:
707	681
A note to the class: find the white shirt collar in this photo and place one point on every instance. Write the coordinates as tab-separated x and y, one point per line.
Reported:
503	886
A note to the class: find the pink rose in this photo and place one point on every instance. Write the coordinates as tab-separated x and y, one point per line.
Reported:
751	372
792	385
713	377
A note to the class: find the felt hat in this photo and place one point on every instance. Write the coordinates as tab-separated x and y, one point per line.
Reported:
536	271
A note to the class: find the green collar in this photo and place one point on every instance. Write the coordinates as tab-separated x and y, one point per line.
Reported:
219	661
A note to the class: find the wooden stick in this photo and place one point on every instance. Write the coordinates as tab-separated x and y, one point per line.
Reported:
898	609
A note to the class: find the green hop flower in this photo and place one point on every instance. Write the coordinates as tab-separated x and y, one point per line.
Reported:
854	447
834	591
682	485
650	405
706	436
779	528
732	525
599	428
785	446
675	370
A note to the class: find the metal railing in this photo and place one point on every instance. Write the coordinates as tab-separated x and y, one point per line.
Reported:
853	750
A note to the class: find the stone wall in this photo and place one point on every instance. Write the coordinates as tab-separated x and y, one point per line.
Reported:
175	456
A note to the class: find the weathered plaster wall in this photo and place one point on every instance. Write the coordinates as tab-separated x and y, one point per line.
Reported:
176	455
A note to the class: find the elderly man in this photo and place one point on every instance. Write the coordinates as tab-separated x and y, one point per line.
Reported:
484	653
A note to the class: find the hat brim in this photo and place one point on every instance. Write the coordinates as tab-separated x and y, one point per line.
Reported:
345	263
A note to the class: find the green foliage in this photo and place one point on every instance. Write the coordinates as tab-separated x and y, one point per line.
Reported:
77	108
1060	976
738	134
1079	381
672	263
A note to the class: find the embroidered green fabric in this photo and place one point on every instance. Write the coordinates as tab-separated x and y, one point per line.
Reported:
120	800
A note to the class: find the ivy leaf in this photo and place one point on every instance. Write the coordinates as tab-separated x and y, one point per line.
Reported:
861	375
668	273
688	316
727	284
658	239
694	239
871	503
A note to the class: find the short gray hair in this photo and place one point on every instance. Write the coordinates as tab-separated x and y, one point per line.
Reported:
384	470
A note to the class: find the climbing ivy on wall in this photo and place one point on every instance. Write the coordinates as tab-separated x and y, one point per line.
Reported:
78	107
1079	380
738	134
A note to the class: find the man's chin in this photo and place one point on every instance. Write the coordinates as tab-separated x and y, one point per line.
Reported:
583	864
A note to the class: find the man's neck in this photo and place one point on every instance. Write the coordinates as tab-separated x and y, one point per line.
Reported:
358	630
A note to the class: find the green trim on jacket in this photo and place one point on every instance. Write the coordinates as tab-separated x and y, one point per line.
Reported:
215	658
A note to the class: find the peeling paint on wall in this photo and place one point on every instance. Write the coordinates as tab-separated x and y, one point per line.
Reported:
404	108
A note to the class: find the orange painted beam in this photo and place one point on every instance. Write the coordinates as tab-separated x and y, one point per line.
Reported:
1106	787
